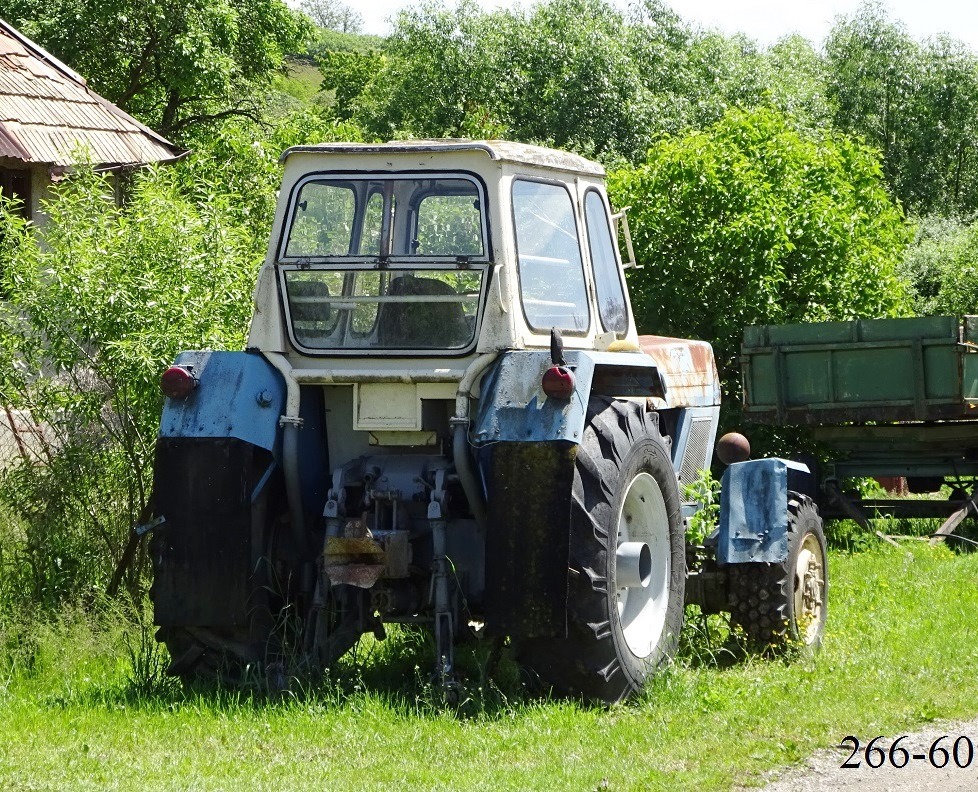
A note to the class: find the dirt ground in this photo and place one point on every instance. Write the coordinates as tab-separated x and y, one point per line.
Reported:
824	770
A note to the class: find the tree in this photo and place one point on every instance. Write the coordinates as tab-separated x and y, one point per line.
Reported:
575	74
560	74
916	102
333	15
96	304
796	81
755	222
173	65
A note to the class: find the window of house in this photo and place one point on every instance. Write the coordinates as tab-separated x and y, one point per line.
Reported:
17	184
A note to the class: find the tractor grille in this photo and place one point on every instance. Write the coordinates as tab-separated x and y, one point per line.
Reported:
695	454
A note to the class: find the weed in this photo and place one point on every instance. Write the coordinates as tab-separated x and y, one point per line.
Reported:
705	493
708	640
148	661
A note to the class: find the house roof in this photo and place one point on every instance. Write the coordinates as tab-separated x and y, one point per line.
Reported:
49	116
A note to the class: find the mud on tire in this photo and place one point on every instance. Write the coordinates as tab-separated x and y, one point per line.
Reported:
625	489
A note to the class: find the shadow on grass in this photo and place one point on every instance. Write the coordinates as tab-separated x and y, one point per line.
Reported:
395	673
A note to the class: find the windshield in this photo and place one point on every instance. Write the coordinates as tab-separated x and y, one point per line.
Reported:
380	217
383	309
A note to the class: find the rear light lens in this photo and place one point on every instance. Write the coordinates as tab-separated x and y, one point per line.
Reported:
178	382
558	382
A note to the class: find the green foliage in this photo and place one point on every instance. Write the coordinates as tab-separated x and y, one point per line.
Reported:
441	68
346	74
575	74
796	79
97	303
756	222
942	266
705	493
173	65
916	101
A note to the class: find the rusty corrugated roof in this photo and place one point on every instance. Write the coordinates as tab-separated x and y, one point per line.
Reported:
49	116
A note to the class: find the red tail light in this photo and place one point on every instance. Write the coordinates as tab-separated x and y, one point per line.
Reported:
558	382
178	382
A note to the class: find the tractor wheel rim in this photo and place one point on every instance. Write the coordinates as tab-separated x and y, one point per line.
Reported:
642	609
809	589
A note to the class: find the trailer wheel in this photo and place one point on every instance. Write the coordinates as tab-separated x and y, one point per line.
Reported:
783	605
627	569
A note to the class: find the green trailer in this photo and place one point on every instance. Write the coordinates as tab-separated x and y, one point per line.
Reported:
885	398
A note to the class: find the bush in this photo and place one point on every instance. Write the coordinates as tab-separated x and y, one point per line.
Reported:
756	222
942	267
97	303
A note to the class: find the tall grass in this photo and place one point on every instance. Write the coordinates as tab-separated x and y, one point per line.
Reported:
900	650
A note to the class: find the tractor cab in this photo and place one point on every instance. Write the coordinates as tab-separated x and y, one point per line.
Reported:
438	249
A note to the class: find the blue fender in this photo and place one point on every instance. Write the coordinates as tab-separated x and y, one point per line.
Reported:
754	509
239	395
514	408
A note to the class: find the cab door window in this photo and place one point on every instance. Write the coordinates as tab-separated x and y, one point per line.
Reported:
549	262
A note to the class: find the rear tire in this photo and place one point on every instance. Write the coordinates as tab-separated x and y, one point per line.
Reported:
625	491
782	605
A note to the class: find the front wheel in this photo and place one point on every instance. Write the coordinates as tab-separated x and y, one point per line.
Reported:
627	569
783	605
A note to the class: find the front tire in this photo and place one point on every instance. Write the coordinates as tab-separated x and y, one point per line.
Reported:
627	565
782	605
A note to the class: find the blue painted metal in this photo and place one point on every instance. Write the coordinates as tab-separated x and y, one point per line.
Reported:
754	510
514	408
240	395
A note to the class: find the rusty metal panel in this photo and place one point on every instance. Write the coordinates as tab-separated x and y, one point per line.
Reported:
11	147
688	369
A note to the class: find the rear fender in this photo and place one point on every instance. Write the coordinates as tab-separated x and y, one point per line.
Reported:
527	449
514	408
239	395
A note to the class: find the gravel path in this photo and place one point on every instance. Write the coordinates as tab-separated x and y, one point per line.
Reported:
824	771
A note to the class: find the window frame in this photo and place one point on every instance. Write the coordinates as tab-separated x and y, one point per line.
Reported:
18	183
401	259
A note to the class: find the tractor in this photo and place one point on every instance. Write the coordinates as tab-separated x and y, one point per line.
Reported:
445	417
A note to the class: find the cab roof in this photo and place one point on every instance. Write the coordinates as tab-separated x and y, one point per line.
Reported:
500	150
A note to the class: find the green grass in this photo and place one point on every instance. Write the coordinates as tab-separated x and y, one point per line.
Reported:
900	650
301	82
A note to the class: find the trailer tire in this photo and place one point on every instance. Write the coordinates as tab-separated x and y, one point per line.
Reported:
625	490
779	606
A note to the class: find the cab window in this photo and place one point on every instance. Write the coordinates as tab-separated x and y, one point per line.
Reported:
607	278
549	263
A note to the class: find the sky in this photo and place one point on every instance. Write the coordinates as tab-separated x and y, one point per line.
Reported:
762	20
